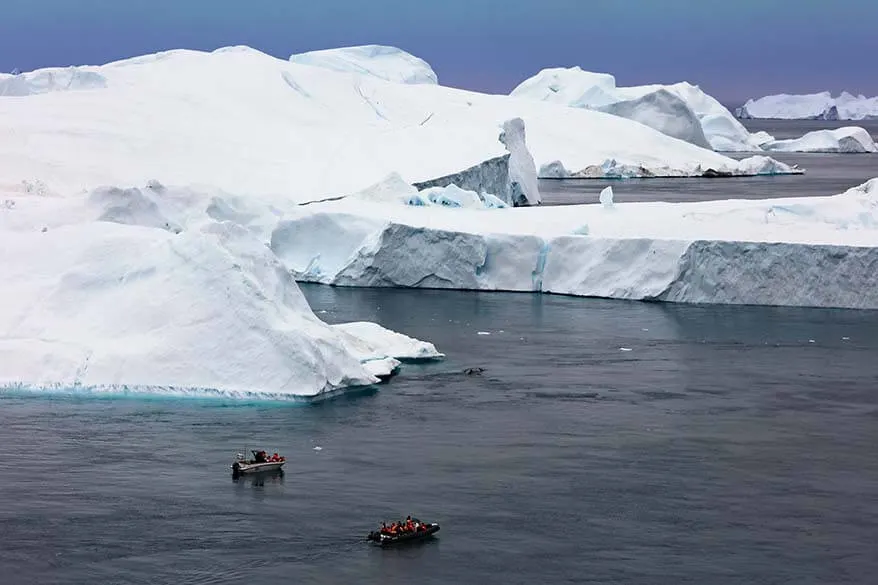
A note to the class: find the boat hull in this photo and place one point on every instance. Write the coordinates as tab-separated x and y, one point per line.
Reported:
385	540
241	468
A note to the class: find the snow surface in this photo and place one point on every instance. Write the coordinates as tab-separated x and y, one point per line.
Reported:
816	106
850	139
646	103
246	122
51	80
387	63
167	290
805	252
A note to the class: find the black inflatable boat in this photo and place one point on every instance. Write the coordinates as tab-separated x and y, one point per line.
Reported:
423	532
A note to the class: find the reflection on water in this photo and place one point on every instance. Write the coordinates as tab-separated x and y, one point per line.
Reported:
260	479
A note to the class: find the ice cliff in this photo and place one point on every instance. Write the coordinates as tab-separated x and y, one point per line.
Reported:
171	291
800	252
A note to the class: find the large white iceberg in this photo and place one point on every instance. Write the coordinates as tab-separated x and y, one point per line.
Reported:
647	104
247	122
850	139
189	290
816	106
387	63
803	252
168	291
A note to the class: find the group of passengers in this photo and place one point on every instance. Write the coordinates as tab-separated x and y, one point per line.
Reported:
404	527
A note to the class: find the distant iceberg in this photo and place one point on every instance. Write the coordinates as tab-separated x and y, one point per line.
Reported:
850	139
648	104
817	106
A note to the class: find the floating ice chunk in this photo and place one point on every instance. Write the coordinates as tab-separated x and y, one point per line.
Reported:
606	197
764	165
483	333
453	196
625	349
372	340
492	202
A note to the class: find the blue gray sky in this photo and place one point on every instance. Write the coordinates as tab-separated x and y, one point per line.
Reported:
733	49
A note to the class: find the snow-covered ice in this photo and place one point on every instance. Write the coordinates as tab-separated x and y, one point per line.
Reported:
803	252
246	122
375	340
166	290
51	80
816	106
850	139
387	63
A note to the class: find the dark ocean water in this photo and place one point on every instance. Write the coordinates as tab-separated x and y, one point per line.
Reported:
725	447
826	174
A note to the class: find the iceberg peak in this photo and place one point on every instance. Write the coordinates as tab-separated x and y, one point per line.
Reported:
381	61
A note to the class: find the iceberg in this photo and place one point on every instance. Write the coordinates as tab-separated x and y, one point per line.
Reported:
671	109
159	290
816	106
382	62
245	122
280	170
850	139
796	252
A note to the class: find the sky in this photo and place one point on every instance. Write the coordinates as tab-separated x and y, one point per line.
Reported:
732	49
